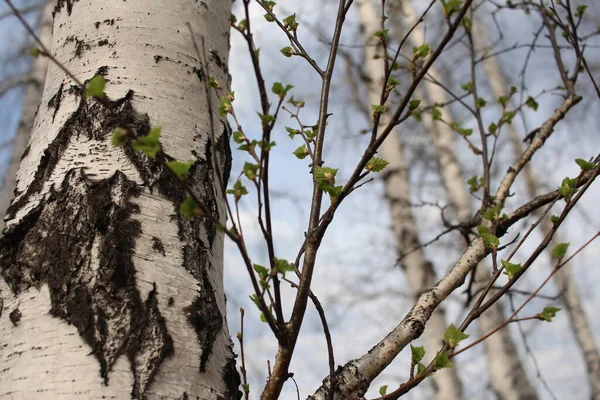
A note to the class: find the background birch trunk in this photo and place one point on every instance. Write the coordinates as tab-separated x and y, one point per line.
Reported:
584	336
31	101
508	376
108	292
419	271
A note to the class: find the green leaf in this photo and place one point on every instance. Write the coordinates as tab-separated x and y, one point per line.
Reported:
226	105
250	170
238	190
480	103
554	219
475	183
417	353
381	34
269	5
281	90
560	250
547	314
421	368
383	390
262	317
511	269
453	336
149	144
436	114
377	109
283	266
268	17
580	10
421	51
531	103
188	208
239	137
416	114
95	87
334	191
301	152
290	22
467	87
490	240
180	168
287	51
585	165
255	299
413	104
325	177
392	83
493	128
503	100
118	137
507	117
263	272
266	118
376	164
492	213
568	188
34	52
442	361
296	103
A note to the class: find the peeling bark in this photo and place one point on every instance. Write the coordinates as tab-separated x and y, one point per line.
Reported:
117	291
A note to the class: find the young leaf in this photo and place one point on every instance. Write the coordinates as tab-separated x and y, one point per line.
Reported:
238	190
436	114
149	144
417	353
453	336
290	22
560	250
250	170
95	87
301	152
376	164
226	106
263	272
283	266
238	137
325	177
377	109
568	188
547	314
442	361
585	165
490	240
413	104
188	208
180	168
287	51
467	87
34	52
531	103
383	390
381	34
510	269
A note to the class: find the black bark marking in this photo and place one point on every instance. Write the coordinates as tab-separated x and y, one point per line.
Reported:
61	3
53	246
91	118
204	315
158	246
15	316
232	380
55	101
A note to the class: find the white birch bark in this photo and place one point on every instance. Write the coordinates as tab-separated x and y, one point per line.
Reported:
418	270
107	291
565	280
31	101
508	376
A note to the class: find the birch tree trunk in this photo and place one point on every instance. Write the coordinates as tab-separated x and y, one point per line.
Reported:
31	101
564	278
107	291
419	271
508	376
